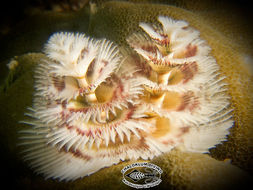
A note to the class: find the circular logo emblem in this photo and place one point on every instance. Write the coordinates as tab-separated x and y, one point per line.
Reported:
142	175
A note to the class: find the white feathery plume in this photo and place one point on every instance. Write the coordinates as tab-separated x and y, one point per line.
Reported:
94	107
72	52
148	29
172	48
107	61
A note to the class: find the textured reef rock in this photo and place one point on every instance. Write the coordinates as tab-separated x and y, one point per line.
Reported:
185	167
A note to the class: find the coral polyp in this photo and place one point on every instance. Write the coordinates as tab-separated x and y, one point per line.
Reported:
95	106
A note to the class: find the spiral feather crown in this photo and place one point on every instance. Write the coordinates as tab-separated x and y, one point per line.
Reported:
94	107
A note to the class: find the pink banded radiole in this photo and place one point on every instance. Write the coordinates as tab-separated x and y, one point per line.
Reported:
95	106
